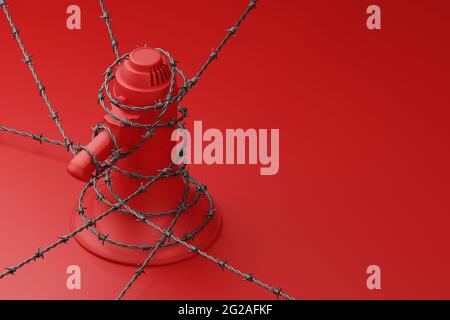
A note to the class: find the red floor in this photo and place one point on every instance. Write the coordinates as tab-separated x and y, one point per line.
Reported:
363	121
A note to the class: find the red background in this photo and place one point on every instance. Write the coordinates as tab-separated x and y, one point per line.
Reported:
363	118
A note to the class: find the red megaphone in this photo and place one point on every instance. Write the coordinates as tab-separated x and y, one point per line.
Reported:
143	79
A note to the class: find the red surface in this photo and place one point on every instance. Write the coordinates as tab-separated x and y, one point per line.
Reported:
363	118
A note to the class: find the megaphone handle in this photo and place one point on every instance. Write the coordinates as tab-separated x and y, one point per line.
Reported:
81	167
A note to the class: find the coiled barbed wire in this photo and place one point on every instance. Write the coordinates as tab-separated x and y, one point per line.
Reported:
104	169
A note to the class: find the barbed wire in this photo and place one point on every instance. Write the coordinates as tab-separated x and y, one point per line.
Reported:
105	16
103	169
27	59
38	137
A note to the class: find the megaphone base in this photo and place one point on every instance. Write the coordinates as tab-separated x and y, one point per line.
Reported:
128	230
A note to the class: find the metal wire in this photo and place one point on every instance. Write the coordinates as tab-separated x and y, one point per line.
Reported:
27	59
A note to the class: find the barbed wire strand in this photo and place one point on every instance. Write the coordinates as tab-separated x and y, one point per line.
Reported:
27	59
141	268
105	16
38	137
64	239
